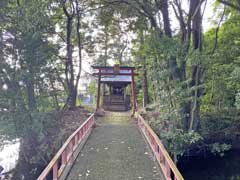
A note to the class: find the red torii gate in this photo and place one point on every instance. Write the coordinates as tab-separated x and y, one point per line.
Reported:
114	72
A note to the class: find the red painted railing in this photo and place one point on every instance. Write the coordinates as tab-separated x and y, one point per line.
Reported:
167	165
64	156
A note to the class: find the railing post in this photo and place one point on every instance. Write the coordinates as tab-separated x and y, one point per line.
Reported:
79	136
84	129
93	121
168	167
98	91
156	148
66	152
64	157
71	149
168	170
55	171
161	157
76	140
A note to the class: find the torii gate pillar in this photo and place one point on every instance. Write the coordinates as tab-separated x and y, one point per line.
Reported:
134	103
98	91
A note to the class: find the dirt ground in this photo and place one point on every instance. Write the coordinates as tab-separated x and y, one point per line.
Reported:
70	121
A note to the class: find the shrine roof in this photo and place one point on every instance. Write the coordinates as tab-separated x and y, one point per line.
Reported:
115	74
111	67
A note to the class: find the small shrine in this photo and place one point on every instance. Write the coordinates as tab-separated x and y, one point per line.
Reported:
116	79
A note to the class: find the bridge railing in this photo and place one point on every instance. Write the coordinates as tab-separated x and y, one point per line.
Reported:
166	163
64	158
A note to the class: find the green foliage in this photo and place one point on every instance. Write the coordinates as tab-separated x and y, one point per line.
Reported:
175	139
218	87
92	88
178	141
237	100
140	97
32	67
218	121
222	77
219	149
30	76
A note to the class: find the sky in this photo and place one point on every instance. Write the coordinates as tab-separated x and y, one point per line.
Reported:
9	154
208	15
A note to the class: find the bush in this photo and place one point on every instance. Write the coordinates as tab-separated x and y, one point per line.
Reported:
219	120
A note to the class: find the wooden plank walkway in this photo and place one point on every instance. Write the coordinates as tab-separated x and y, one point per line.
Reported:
115	150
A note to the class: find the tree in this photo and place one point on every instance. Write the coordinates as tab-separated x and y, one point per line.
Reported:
74	12
69	10
28	78
235	4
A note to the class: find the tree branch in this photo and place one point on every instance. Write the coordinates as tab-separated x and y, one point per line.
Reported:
79	41
217	29
237	7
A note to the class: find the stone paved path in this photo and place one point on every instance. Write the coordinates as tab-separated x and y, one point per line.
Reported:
115	151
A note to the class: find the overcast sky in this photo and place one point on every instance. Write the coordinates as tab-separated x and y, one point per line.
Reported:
208	15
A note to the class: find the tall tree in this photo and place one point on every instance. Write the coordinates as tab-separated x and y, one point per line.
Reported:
70	12
196	16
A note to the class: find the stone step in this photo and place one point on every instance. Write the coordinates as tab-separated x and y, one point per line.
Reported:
115	108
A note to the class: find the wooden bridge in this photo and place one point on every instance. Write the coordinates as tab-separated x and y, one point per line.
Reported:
113	147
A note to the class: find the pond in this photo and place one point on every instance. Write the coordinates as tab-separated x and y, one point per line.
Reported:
212	167
9	155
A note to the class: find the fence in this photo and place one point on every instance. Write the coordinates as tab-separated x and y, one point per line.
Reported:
61	163
167	165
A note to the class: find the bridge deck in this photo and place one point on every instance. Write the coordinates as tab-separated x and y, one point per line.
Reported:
115	151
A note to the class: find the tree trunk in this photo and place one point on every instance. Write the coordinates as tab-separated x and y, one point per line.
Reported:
196	68
54	94
145	87
1	46
32	105
175	73
69	69
79	40
166	20
190	112
105	53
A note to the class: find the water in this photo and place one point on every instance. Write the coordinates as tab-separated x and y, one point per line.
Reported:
212	167
9	155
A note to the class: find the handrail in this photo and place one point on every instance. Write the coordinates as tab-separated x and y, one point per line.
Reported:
64	156
166	163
